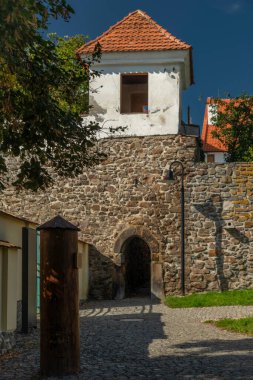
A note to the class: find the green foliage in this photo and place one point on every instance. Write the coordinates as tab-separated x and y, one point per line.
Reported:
227	298
242	325
72	94
234	127
43	94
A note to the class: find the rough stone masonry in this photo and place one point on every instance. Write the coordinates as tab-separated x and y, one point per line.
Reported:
126	195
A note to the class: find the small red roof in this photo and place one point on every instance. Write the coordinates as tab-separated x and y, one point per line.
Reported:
135	32
211	143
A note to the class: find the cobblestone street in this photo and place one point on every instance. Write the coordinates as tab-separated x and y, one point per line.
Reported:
139	339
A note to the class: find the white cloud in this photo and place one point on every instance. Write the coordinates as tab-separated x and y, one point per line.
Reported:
229	6
234	7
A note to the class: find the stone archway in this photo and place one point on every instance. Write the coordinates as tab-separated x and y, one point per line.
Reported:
121	247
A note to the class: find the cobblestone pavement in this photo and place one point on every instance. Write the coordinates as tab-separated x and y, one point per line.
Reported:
139	339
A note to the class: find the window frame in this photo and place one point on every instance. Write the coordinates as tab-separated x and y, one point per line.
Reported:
121	92
210	155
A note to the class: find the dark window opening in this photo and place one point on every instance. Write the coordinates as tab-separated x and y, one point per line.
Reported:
210	158
134	93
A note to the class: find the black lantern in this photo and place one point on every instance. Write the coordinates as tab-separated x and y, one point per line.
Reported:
170	177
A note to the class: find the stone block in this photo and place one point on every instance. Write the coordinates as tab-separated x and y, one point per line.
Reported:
213	285
157	287
210	277
213	252
199	285
196	277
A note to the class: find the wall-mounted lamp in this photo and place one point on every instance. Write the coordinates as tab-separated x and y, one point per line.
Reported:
170	177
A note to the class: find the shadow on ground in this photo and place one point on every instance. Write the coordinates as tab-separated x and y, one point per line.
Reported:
119	345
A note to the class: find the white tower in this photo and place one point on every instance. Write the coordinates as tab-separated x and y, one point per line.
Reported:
143	72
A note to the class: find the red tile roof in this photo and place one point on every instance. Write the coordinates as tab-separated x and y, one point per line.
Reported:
135	32
211	143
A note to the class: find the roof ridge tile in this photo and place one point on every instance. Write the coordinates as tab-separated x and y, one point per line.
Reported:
157	39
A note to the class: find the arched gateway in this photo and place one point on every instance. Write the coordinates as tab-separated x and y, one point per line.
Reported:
137	271
137	258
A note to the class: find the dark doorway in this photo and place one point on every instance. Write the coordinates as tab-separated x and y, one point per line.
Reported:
137	267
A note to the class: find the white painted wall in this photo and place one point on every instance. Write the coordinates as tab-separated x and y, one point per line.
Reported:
11	231
168	74
8	295
219	157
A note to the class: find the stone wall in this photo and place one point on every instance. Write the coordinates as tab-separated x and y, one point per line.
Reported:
127	195
220	226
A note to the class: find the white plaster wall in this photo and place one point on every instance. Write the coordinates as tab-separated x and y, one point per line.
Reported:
163	100
8	289
11	312
168	74
11	231
218	156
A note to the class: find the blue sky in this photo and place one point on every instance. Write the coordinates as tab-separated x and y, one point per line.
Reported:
220	31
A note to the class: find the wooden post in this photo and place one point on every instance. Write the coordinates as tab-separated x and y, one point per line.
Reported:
59	299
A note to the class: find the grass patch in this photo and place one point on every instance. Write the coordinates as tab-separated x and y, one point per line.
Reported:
243	325
228	298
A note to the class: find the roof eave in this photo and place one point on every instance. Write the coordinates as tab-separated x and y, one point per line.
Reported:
191	66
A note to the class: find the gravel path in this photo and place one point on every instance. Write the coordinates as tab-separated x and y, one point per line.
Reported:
139	339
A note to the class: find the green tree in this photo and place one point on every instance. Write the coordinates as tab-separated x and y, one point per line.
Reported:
233	119
73	93
43	94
